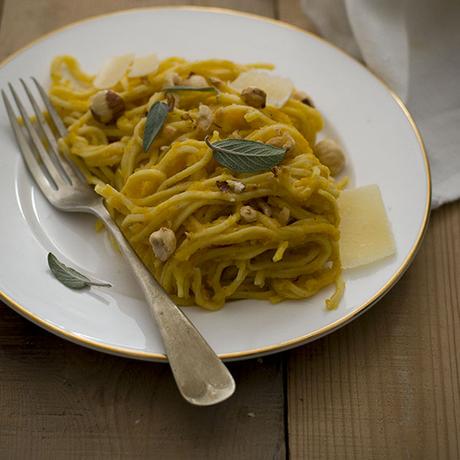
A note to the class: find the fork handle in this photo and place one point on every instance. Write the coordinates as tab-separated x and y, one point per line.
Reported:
200	375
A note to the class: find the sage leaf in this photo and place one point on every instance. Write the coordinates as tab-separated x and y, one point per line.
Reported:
155	120
70	277
171	89
242	155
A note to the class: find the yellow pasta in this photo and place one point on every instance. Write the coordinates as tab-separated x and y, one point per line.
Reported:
286	249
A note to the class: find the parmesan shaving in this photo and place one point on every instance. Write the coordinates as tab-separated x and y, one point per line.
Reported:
144	65
113	71
365	232
277	89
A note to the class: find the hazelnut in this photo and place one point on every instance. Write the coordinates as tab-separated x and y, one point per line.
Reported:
230	186
205	118
171	79
331	155
223	186
285	141
263	206
254	97
235	135
196	81
217	82
107	106
171	100
236	186
302	96
163	243
248	214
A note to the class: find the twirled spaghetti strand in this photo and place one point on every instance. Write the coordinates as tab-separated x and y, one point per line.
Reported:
290	251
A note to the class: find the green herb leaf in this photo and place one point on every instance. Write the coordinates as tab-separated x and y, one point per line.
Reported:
70	277
171	89
246	156
155	120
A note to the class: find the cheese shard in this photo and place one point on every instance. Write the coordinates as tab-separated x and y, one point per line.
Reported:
113	71
144	65
277	89
365	232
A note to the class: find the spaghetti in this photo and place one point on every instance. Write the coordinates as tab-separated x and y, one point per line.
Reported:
288	249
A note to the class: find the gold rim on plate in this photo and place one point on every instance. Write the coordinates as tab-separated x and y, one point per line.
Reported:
120	351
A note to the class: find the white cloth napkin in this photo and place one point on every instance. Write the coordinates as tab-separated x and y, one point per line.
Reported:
414	45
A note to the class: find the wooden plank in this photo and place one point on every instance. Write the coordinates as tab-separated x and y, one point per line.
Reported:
387	385
1	12
58	400
28	19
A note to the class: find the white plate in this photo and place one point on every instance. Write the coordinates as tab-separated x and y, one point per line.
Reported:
380	139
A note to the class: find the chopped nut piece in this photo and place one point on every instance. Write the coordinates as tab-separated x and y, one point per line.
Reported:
276	141
196	81
331	155
171	100
235	135
277	89
254	97
205	118
284	216
217	82
264	207
236	186
223	186
163	243
302	96
107	106
171	79
276	171
248	214
285	141
230	186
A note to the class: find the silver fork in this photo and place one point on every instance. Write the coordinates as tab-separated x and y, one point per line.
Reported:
200	375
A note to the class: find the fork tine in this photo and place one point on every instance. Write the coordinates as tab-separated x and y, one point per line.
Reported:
37	143
62	131
27	153
51	110
45	129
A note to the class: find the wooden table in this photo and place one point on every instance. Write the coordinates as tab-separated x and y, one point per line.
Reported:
385	386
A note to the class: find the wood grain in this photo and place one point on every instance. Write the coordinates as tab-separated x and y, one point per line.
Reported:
26	20
387	385
58	400
1	12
